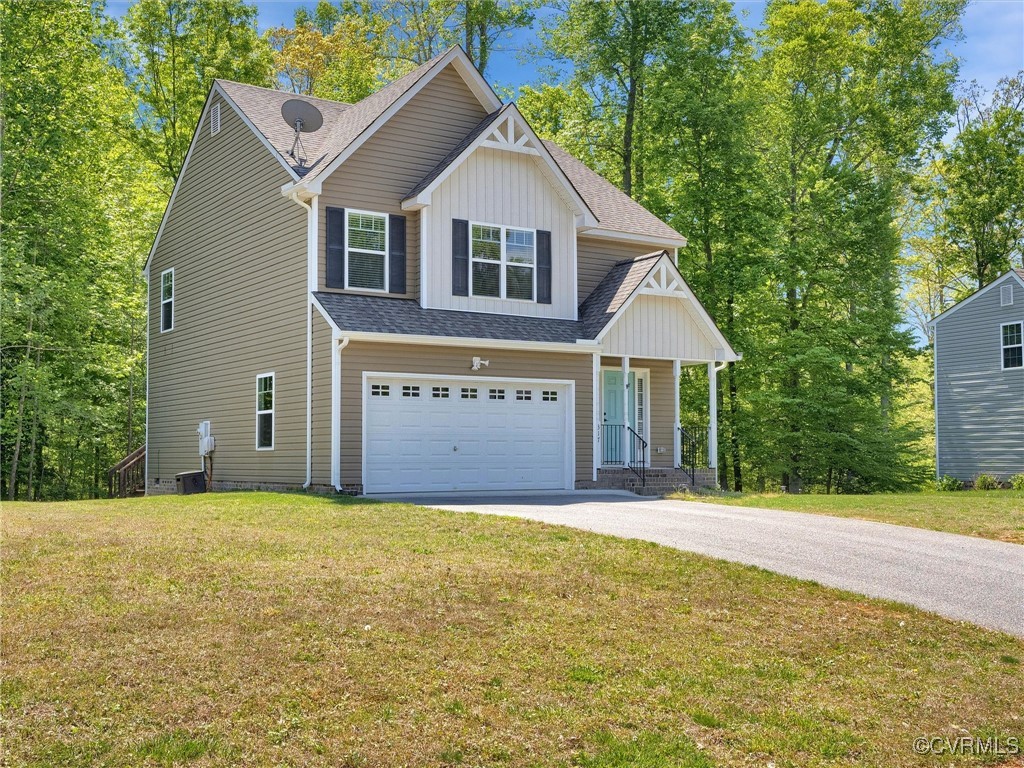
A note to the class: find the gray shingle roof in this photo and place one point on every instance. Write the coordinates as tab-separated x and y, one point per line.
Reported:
611	293
382	314
613	207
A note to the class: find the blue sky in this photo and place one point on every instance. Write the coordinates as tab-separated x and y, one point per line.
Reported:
993	44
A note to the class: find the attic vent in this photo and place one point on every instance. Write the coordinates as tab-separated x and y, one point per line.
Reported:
1006	295
215	119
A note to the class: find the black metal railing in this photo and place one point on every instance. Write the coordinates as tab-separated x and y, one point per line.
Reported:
622	446
637	456
693	450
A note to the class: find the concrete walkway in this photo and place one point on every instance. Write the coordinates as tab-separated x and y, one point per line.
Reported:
961	577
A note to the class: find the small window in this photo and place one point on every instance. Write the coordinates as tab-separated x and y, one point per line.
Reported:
524	394
366	250
380	390
469	393
215	119
549	396
441	392
503	262
1013	345
166	300
496	394
410	391
1006	295
265	412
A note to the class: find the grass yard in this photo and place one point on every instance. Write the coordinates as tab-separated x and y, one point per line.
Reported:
254	629
989	514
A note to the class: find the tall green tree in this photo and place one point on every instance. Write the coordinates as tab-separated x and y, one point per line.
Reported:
80	206
982	183
173	51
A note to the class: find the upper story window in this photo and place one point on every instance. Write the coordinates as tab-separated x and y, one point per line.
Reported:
167	300
366	250
503	262
1013	345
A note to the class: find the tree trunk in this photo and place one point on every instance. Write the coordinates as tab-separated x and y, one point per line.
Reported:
12	483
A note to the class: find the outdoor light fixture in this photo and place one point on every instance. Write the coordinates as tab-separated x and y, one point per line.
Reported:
478	363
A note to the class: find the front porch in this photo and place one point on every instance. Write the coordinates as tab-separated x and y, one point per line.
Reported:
641	444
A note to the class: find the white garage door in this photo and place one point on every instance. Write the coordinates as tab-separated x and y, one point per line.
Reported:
447	434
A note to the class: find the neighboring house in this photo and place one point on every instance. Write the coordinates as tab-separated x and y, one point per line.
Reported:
429	297
979	382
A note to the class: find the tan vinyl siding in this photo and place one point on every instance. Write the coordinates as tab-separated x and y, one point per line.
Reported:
659	326
597	256
359	357
506	188
381	173
238	249
980	406
321	400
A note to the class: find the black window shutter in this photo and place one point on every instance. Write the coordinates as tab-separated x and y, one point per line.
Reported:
335	248
460	257
396	254
543	267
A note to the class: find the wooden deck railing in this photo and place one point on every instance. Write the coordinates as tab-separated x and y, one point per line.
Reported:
128	476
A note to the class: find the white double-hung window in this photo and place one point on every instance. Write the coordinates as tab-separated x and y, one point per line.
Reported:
503	262
1013	345
265	412
366	250
167	300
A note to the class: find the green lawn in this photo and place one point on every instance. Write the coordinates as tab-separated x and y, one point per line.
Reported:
287	630
990	514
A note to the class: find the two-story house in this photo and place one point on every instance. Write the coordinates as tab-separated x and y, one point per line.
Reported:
422	295
979	382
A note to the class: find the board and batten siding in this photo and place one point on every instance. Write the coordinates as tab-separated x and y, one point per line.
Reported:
597	256
678	335
397	359
979	406
506	188
382	172
238	249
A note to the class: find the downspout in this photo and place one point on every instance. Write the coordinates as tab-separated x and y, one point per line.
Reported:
310	254
339	345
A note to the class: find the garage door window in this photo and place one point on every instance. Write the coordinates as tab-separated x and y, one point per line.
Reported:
496	394
410	391
550	396
440	392
469	393
524	394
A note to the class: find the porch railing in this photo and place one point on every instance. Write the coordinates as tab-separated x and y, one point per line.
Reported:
128	476
693	450
623	446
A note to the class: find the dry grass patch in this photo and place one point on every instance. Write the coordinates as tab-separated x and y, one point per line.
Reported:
995	515
286	630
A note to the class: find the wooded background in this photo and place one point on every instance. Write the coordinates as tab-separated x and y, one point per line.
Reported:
837	185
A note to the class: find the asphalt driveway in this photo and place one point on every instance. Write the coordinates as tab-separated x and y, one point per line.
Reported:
961	577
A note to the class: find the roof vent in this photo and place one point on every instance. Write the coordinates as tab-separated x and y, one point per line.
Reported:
1006	295
215	119
303	117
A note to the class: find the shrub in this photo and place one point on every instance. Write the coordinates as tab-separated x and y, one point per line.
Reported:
1017	482
985	482
947	483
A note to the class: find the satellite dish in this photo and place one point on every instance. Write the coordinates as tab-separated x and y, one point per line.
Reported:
303	117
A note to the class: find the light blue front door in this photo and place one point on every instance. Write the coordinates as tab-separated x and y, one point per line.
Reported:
612	439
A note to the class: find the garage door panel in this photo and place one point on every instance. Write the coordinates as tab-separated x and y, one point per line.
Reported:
463	442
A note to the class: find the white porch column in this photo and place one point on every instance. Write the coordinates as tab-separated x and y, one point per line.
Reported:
712	416
596	420
625	410
677	449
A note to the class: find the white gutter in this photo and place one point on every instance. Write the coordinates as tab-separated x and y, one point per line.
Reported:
310	256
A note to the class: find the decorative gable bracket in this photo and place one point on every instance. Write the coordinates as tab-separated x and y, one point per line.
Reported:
508	136
663	280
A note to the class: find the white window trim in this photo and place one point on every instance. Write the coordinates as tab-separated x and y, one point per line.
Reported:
504	262
386	253
1003	347
166	301
272	411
